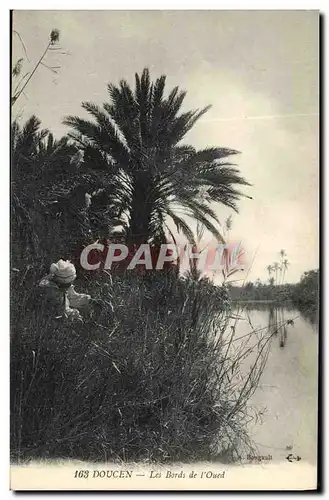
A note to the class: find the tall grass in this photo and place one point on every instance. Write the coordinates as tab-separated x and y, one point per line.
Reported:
155	372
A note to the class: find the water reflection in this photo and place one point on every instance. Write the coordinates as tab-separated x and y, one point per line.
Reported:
288	387
277	325
311	315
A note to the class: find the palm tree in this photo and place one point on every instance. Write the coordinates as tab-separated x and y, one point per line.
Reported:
276	268
135	140
39	163
269	270
282	255
285	266
38	159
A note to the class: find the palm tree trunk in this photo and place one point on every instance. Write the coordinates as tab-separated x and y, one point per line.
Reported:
140	213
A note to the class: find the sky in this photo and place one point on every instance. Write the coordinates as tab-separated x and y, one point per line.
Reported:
258	70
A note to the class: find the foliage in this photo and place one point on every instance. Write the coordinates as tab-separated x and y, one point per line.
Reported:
304	295
47	206
306	292
154	371
136	140
153	374
260	291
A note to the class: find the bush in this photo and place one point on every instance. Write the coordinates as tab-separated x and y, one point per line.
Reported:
306	294
154	373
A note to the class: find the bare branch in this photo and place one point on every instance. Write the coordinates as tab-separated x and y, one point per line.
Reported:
51	68
23	45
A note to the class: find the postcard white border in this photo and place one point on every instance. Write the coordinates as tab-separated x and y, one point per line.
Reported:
4	182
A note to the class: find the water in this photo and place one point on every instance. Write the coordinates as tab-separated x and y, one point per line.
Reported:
288	387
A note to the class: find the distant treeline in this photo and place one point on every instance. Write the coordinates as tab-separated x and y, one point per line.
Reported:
304	294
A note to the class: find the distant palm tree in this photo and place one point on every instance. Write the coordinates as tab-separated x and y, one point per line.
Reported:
285	266
276	268
135	139
282	254
269	270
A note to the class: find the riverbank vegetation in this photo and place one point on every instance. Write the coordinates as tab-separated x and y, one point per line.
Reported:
155	375
304	295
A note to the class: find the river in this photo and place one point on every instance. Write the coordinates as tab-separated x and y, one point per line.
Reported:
288	386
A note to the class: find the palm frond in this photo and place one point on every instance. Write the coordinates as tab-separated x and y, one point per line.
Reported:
137	138
107	124
182	226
